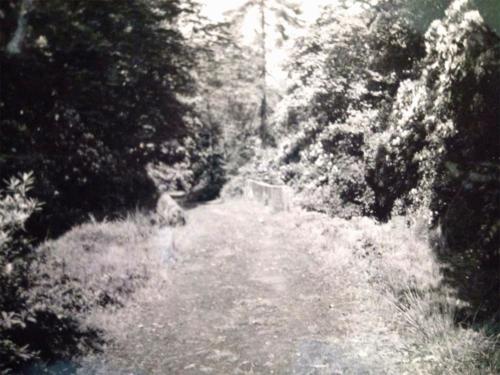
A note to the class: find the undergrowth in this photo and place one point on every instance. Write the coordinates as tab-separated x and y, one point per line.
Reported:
56	287
111	259
402	318
38	309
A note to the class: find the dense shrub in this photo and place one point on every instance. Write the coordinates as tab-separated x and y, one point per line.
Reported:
443	153
393	109
46	292
208	163
344	77
400	320
36	307
86	109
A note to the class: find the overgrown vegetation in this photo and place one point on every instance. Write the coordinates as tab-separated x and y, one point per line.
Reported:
37	305
88	104
48	292
392	109
400	320
90	94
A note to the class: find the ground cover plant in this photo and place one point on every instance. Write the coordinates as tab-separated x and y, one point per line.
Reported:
48	290
37	321
402	319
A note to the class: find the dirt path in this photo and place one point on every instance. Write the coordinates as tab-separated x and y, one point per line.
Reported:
245	297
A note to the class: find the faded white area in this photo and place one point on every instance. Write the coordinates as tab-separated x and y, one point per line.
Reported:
215	9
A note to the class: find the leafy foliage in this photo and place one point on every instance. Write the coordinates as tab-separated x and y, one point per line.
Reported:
36	308
444	128
91	93
89	103
344	76
387	120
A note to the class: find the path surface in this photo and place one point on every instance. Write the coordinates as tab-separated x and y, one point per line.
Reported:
245	297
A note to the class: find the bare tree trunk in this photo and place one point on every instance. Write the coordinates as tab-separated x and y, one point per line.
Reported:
263	131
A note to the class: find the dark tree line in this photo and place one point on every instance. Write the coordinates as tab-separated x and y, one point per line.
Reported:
89	97
91	94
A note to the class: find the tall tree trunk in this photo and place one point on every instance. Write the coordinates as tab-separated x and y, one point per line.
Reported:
263	131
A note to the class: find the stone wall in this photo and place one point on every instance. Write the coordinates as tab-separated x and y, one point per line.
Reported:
278	197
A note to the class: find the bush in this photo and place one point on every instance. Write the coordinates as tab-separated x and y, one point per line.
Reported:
389	120
442	153
36	309
403	318
86	110
94	267
15	208
329	174
234	188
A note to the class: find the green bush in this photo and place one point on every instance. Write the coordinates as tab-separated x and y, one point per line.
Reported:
442	155
398	115
36	308
86	109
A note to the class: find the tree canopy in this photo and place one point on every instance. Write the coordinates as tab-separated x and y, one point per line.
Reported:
87	103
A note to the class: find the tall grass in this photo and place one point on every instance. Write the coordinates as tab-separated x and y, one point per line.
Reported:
97	269
402	319
111	259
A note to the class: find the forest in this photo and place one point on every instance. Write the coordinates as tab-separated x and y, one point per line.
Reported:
384	112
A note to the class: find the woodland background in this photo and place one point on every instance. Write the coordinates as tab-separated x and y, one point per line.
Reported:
391	108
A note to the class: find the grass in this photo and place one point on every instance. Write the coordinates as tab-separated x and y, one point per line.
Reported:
94	268
401	319
111	259
110	265
395	312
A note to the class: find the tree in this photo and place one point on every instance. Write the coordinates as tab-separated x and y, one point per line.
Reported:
229	94
280	14
444	145
343	78
93	94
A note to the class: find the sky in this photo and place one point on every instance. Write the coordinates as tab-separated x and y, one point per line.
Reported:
214	9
